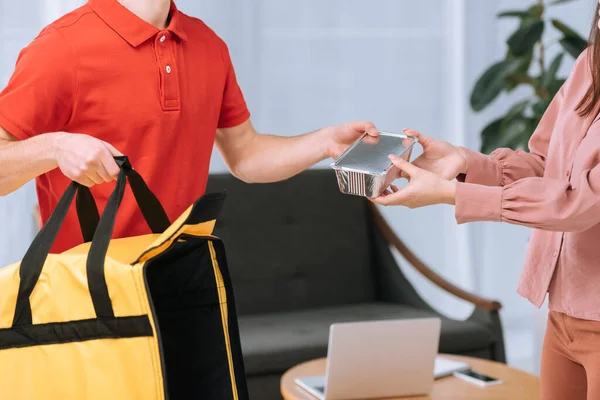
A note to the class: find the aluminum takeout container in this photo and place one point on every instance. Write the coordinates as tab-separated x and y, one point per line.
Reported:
365	168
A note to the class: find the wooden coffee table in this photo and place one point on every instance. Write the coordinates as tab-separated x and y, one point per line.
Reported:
517	384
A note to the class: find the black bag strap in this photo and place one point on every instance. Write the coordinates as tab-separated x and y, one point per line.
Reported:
149	205
34	259
87	213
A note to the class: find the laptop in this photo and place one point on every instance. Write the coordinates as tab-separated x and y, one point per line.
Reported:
381	359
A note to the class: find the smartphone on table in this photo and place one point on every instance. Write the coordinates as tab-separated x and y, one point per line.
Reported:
477	378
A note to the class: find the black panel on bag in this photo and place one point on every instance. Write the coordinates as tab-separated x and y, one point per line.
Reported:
184	292
207	208
75	331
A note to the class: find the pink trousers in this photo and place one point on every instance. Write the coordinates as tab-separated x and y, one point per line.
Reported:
571	359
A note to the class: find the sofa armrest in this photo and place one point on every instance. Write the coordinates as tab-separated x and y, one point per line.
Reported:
393	240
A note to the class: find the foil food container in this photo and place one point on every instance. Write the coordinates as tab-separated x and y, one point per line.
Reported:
365	169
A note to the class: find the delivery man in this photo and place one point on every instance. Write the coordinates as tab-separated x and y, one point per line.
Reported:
140	78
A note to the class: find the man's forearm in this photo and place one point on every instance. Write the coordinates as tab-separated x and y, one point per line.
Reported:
269	158
22	161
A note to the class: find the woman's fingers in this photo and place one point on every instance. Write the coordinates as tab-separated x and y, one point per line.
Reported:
398	198
423	139
404	166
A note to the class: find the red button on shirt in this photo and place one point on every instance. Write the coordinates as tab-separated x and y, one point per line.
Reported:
158	96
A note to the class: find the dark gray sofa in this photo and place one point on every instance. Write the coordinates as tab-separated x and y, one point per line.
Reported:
302	256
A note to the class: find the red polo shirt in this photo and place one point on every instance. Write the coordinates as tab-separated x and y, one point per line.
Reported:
158	96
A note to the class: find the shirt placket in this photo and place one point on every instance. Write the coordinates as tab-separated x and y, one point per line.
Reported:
167	64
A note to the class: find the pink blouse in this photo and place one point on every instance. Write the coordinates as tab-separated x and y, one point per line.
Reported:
555	188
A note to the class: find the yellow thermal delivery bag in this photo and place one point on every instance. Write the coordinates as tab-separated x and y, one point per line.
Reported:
149	317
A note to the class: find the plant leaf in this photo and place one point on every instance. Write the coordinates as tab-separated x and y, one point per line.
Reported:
520	75
522	141
540	108
512	14
512	134
534	11
522	41
491	83
502	133
566	30
490	136
512	130
555	86
555	2
550	74
517	110
574	46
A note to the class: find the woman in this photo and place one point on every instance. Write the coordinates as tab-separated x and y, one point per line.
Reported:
554	188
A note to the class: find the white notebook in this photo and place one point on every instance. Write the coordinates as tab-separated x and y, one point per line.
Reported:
445	367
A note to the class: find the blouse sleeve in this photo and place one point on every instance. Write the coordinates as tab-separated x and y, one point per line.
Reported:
549	204
505	166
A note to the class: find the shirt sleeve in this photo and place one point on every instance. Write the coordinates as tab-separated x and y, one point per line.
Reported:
39	97
234	110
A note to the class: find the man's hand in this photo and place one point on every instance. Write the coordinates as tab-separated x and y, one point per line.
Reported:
85	159
439	157
425	188
343	136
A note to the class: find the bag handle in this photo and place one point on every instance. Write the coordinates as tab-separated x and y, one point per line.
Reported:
152	210
87	213
33	261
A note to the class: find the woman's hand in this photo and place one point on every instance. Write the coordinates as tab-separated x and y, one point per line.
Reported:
439	157
424	188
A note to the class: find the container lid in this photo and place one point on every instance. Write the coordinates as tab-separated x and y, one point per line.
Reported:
370	155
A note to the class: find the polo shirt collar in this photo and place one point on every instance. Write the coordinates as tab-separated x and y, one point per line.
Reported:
131	27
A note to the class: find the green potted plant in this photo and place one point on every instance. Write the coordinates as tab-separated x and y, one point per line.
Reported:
524	65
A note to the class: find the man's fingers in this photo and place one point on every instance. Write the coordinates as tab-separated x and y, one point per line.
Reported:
103	174
114	152
105	158
85	181
404	166
371	129
109	163
94	177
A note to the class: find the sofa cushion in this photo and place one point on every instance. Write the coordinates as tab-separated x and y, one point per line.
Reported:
273	343
294	244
